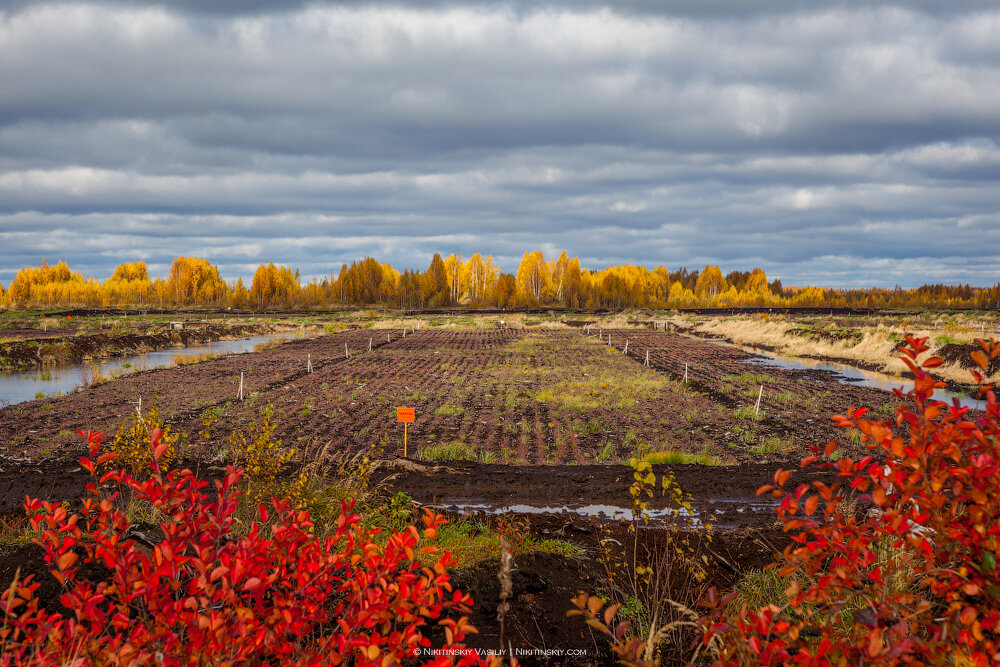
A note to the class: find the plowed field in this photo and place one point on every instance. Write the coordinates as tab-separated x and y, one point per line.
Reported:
537	418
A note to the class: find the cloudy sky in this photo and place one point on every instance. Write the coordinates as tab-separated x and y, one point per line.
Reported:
840	144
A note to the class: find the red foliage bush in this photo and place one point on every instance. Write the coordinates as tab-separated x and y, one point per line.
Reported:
208	595
912	580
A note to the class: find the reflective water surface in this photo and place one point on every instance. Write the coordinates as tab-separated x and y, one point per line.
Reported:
20	386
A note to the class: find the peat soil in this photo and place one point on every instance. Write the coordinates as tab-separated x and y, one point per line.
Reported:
45	428
796	406
502	393
725	496
35	349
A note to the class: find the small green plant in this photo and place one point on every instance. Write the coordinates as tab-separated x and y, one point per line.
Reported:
448	409
784	397
261	456
39	395
772	444
750	378
15	530
670	457
450	451
131	443
747	412
606	451
597	425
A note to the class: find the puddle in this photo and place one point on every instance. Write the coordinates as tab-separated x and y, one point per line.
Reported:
705	510
852	375
20	386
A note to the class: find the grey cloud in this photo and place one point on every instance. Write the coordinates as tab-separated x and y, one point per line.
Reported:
779	134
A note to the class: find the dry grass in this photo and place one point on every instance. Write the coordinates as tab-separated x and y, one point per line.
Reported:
876	345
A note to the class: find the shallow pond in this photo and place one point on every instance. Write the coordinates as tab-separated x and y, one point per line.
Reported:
853	375
21	386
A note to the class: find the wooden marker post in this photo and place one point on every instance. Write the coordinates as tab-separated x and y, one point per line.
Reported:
647	357
241	385
370	344
625	351
760	393
347	354
685	372
404	415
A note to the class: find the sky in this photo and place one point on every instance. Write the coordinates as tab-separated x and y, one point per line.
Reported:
842	144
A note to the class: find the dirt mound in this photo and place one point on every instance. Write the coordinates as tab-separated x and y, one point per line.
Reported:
32	352
958	353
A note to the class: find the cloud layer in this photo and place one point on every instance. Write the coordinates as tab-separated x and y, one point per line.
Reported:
845	146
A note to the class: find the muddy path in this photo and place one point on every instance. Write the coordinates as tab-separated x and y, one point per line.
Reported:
36	349
725	496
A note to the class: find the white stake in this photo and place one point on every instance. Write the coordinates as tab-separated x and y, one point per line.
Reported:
347	354
404	332
625	351
370	344
759	394
241	385
685	372
387	338
309	363
647	357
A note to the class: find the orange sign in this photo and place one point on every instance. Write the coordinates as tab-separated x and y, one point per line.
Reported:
404	415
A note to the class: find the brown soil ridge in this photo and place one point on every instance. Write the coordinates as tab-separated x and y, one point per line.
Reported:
45	350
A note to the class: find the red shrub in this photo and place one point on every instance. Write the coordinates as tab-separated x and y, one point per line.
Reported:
912	580
206	595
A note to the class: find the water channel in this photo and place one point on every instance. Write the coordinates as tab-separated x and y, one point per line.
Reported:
21	386
854	375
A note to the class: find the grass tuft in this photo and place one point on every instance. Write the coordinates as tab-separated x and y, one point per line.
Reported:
449	451
747	412
670	457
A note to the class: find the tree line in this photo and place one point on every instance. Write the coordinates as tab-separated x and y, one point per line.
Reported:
454	281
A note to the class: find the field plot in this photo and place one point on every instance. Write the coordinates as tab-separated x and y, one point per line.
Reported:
795	405
508	396
45	428
524	397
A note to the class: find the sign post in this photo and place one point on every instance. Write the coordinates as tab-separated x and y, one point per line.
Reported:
404	415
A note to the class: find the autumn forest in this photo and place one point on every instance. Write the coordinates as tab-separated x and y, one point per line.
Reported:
454	281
